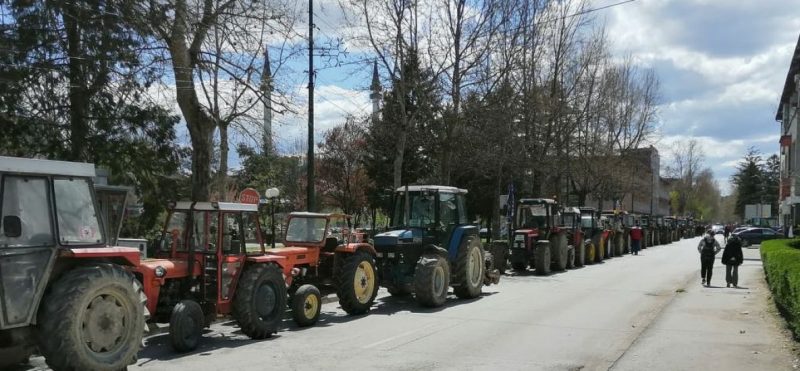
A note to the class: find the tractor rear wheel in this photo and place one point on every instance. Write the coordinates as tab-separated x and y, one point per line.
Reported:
357	283
470	269
260	300
431	280
541	258
186	326
306	305
91	319
580	255
620	245
570	257
560	252
599	250
590	251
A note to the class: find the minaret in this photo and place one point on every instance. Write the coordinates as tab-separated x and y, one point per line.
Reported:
376	92
266	88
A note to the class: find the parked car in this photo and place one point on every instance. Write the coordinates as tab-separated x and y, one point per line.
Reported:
755	236
718	229
740	229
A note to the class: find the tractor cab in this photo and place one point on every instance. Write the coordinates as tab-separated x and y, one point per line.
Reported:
536	218
590	221
644	221
571	222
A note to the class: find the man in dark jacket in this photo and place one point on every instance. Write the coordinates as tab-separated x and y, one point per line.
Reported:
732	258
708	248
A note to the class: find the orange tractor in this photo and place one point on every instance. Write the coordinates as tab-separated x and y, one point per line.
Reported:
212	261
63	290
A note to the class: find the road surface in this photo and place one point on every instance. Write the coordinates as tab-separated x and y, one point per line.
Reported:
628	313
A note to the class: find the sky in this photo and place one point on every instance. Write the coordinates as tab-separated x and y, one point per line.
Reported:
721	65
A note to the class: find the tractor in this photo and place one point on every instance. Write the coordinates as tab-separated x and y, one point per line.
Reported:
647	230
614	224
672	229
430	246
341	262
571	223
539	241
595	236
63	290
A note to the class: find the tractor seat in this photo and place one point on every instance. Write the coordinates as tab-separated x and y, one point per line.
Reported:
331	243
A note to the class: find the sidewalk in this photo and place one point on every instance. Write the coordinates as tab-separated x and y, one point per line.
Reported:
717	327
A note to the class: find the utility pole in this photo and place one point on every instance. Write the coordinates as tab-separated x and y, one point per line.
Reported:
310	198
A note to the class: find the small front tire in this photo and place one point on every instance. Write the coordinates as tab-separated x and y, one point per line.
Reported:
306	305
186	326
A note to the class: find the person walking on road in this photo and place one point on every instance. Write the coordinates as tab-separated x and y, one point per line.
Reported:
732	258
636	239
708	248
726	232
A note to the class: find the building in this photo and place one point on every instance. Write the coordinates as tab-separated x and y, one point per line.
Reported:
646	192
787	115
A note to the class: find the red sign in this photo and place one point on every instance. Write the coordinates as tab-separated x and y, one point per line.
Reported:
249	196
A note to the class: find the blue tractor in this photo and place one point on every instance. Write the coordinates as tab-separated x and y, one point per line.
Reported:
430	247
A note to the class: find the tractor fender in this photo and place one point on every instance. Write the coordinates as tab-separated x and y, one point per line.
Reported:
129	256
433	249
460	233
351	248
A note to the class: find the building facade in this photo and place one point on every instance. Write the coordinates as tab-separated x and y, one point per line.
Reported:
787	115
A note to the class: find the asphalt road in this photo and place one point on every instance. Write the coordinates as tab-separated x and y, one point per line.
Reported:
631	312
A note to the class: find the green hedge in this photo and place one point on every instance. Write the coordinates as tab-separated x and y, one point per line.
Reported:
781	259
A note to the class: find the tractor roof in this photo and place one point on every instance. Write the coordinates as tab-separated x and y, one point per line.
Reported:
572	209
46	167
214	206
587	208
306	214
537	201
437	188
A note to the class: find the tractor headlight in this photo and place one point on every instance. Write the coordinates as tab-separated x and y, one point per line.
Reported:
160	271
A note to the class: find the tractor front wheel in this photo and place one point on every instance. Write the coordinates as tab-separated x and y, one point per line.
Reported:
560	251
306	305
541	258
590	250
431	280
470	269
91	319
186	326
260	300
357	283
580	255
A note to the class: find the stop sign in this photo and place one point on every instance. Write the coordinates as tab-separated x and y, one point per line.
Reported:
249	196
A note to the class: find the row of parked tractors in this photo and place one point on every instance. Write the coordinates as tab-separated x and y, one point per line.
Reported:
84	305
549	237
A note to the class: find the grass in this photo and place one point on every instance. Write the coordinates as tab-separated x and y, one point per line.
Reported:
781	259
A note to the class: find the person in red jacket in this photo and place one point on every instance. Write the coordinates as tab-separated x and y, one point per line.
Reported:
636	239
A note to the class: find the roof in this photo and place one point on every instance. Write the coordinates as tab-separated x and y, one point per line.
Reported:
572	209
214	206
789	86
46	167
529	201
306	214
437	188
586	208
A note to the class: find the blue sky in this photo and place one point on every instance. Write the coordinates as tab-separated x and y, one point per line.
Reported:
721	65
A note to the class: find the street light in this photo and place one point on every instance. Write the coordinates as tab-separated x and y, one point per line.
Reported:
271	194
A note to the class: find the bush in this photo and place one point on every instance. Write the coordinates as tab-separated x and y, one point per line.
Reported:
781	259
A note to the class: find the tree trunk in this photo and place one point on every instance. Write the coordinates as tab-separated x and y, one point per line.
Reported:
400	150
222	173
78	99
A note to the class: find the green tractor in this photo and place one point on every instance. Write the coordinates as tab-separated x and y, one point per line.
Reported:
431	247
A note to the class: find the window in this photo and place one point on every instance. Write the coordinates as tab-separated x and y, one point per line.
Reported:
421	212
587	221
77	218
232	234
176	231
251	232
448	213
532	216
306	230
204	231
27	199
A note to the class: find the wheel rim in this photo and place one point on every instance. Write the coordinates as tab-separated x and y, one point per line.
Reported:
364	282
474	267
310	306
105	323
265	300
438	281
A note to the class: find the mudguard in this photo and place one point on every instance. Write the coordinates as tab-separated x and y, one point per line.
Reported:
458	234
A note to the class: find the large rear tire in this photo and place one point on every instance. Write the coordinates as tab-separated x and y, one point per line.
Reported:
560	252
91	318
260	300
620	245
599	250
357	283
186	326
590	250
570	257
580	255
431	280
306	305
541	258
469	270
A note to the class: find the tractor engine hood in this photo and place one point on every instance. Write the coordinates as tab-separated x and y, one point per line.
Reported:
398	237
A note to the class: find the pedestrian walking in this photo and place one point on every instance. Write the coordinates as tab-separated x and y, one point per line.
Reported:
732	258
726	232
708	248
636	239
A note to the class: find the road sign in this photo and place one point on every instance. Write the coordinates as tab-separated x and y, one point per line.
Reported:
249	196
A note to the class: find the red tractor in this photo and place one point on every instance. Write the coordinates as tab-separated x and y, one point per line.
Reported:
336	259
539	241
63	290
212	262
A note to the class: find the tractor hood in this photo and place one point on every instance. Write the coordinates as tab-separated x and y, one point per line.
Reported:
399	236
